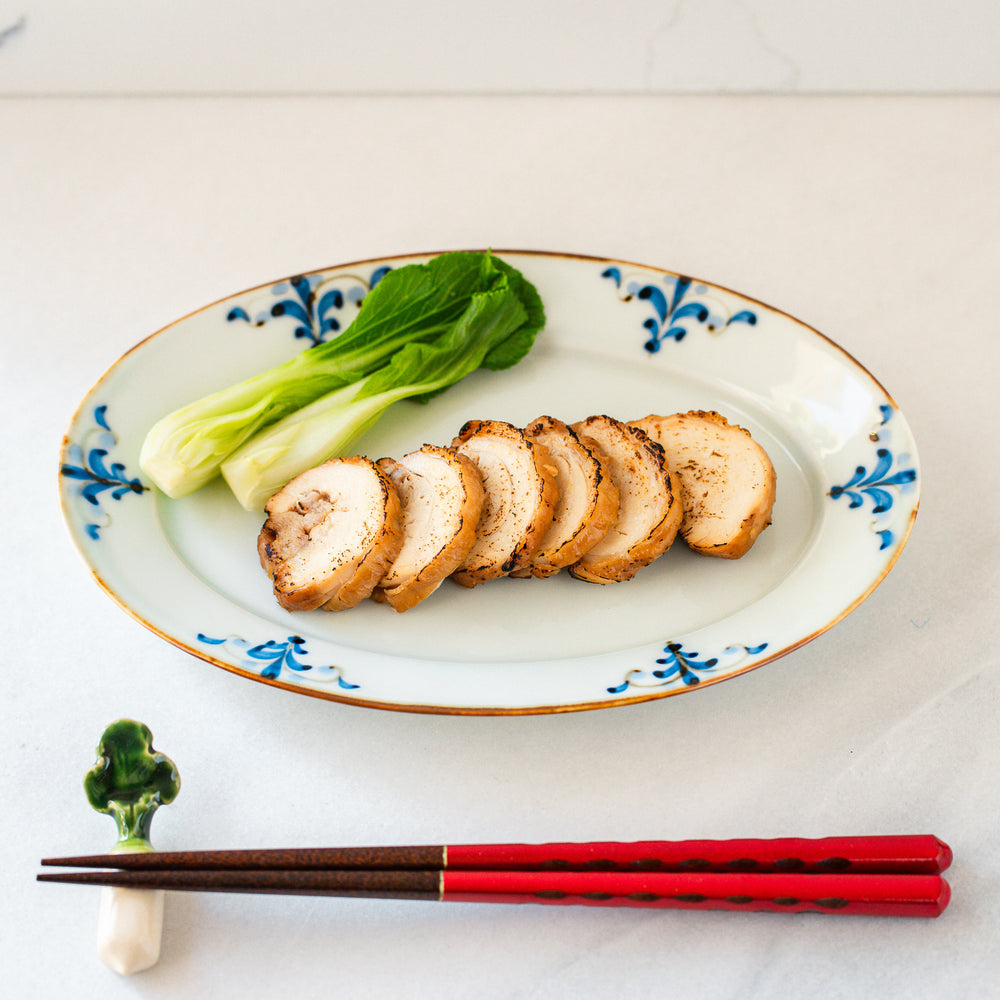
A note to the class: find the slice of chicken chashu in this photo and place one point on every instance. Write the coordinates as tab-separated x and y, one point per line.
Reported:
331	534
442	497
588	498
727	480
649	505
520	497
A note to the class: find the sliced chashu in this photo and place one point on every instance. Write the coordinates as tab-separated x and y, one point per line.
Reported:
727	480
442	497
330	535
588	498
649	505
520	497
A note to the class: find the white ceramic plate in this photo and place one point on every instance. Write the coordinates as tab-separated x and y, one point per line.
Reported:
622	339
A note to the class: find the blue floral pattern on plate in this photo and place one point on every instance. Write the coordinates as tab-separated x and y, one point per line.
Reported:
277	657
87	463
677	301
680	668
881	485
312	301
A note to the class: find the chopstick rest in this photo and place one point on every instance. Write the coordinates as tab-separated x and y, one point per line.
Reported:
129	782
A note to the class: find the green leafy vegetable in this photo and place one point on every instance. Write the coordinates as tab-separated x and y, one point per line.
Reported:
130	781
413	305
419	371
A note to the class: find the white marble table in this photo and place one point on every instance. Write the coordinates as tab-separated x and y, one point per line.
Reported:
875	220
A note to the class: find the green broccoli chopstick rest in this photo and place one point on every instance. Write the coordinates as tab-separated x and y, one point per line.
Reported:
129	782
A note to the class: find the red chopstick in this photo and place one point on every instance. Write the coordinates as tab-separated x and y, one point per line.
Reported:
891	895
909	854
878	876
913	854
860	895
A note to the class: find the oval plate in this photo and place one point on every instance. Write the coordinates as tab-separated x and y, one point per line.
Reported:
622	339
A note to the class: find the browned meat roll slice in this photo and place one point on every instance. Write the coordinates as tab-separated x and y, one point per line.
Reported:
649	506
520	488
587	503
727	480
442	497
330	535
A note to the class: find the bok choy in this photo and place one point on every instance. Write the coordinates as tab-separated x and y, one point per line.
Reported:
326	427
421	328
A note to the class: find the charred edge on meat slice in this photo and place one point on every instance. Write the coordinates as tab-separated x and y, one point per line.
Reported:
587	502
728	491
316	544
405	586
513	521
629	547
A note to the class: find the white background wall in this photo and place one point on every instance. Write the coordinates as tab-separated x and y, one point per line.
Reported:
513	46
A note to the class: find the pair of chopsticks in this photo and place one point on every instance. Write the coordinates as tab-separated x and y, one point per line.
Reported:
873	876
